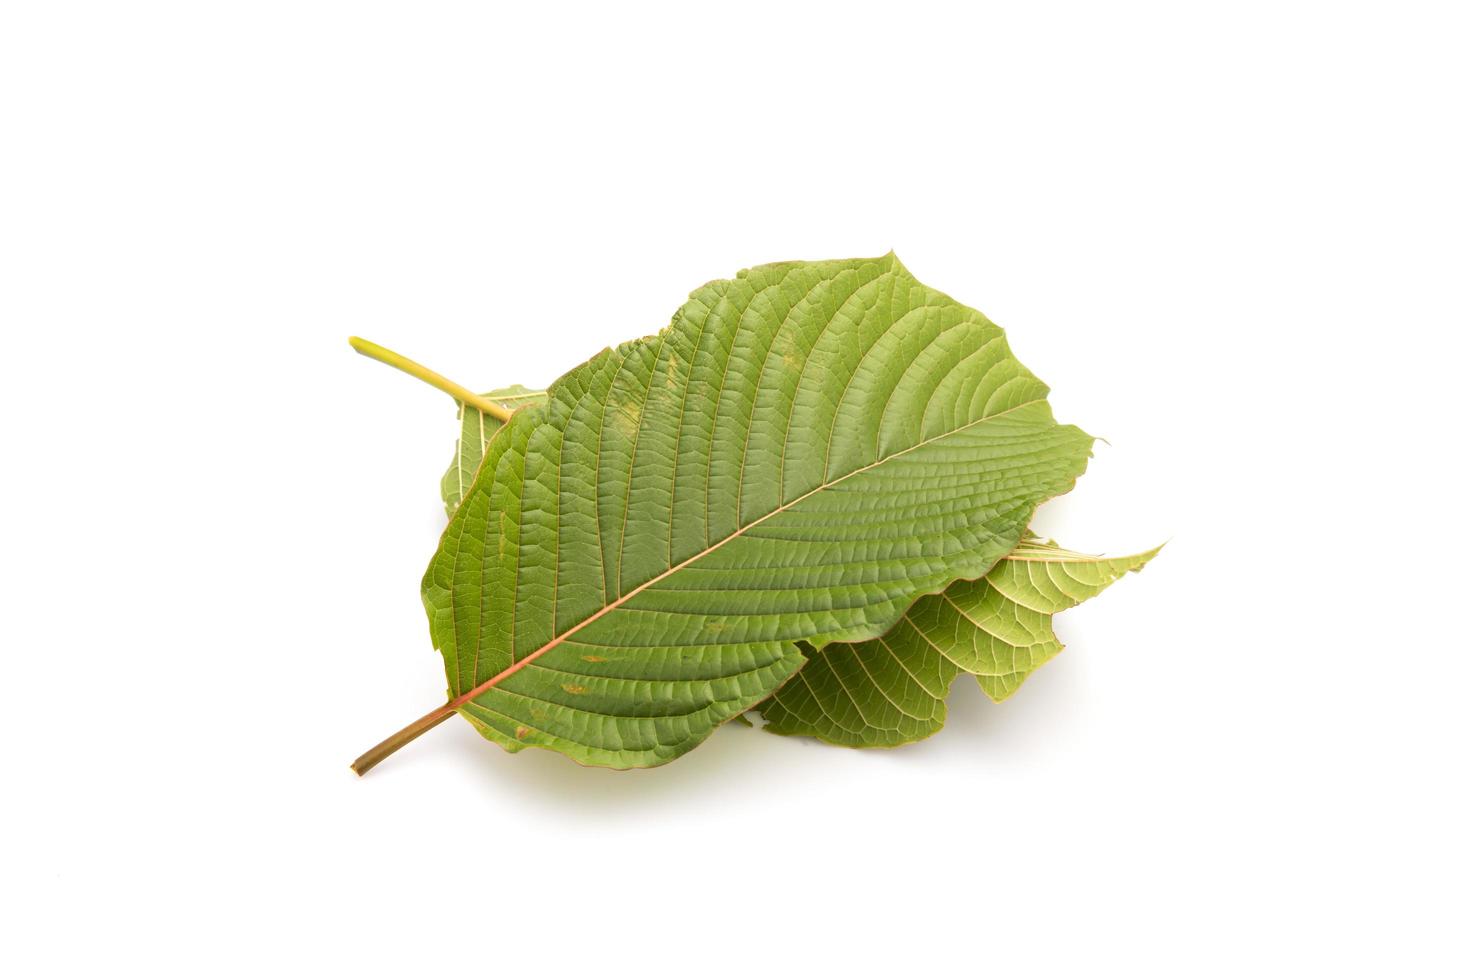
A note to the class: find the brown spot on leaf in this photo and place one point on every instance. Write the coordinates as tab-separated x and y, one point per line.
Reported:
574	688
593	658
522	731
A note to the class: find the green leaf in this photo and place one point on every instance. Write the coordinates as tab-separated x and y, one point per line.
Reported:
475	429
1018	638
804	451
891	690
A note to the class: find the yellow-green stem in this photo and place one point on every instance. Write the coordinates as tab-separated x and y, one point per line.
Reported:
458	392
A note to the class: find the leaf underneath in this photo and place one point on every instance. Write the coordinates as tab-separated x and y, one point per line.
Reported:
891	690
475	431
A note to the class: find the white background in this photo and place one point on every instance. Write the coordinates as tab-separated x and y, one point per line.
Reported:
1234	241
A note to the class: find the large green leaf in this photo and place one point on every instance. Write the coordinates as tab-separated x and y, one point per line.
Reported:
1015	638
891	690
475	429
803	452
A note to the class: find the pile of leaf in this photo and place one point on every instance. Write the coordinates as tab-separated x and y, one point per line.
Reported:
808	496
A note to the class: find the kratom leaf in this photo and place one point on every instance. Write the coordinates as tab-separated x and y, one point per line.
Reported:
1030	628
1037	643
891	690
475	429
803	452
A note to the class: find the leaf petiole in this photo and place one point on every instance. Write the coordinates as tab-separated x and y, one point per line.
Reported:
400	738
458	392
